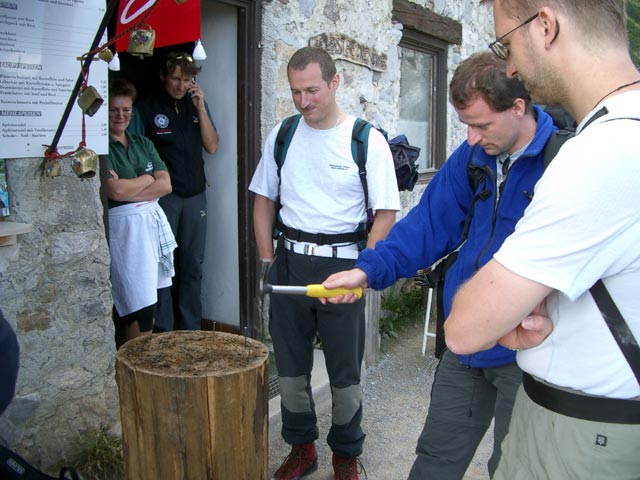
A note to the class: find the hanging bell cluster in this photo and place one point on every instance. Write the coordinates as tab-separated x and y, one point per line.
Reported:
84	164
141	41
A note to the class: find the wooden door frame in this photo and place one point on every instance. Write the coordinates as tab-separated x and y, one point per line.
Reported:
249	148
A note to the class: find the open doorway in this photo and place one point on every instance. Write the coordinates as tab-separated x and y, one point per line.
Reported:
230	79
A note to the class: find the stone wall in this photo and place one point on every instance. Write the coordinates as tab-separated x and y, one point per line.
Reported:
55	292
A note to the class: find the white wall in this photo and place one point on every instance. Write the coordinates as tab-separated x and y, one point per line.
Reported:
220	283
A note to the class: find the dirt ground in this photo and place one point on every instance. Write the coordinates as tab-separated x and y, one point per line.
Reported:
396	398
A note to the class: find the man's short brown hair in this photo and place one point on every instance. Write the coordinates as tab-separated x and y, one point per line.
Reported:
307	55
182	60
483	75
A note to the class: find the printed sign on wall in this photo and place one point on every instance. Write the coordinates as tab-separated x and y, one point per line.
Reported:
40	42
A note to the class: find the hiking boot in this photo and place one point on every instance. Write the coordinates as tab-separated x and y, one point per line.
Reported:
300	462
347	468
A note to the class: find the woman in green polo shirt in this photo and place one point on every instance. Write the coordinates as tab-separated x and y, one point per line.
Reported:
140	237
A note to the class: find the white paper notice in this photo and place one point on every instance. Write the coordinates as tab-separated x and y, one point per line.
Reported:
40	42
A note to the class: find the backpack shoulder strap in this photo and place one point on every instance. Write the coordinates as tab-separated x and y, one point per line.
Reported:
617	325
283	139
557	138
555	141
285	134
476	175
359	147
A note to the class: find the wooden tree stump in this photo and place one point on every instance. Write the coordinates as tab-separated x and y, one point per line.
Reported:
194	405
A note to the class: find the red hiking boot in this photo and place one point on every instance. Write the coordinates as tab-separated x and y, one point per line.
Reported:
301	461
347	468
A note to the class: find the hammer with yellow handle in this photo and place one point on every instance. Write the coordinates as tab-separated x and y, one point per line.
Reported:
313	290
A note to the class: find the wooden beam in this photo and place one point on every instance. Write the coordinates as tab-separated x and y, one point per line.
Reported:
423	20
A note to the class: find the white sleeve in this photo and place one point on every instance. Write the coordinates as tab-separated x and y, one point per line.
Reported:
583	223
265	180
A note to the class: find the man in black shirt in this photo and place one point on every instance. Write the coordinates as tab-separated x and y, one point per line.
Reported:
178	122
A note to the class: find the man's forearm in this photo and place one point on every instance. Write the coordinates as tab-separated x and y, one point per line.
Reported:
385	219
208	133
490	305
263	219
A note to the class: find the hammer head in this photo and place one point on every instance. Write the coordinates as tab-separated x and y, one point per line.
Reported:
263	286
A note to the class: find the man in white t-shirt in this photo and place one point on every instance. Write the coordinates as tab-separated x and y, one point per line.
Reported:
578	413
323	210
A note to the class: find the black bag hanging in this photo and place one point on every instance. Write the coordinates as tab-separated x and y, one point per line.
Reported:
404	160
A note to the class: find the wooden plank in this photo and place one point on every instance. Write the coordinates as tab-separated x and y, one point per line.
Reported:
9	232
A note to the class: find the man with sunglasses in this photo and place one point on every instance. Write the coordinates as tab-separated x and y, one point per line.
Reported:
178	122
571	269
506	136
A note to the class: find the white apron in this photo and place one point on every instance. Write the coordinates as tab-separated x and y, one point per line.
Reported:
142	245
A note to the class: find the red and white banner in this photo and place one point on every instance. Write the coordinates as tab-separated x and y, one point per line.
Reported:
173	22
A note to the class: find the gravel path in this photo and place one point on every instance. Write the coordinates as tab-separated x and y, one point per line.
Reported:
396	398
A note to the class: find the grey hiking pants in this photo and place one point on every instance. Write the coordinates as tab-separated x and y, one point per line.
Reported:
463	402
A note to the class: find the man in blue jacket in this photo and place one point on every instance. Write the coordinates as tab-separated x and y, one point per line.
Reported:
506	138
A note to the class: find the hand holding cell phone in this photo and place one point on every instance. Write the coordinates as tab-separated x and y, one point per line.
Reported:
197	95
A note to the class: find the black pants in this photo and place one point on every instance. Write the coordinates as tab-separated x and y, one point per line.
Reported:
294	323
188	219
